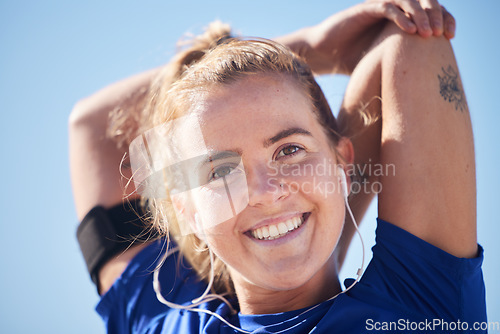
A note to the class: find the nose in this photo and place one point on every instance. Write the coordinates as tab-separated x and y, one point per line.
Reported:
265	187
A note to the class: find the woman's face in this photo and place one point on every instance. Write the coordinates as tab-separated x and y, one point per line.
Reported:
293	215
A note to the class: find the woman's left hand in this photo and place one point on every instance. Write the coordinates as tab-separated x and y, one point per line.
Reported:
425	17
339	42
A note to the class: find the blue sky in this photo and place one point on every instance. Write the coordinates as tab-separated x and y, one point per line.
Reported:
57	52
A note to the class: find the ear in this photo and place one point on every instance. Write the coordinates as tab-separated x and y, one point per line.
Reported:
345	151
345	158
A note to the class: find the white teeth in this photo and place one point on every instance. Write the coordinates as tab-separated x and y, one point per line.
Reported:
282	228
265	232
259	234
275	231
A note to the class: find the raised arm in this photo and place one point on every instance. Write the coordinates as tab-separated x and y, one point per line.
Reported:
95	158
337	45
426	135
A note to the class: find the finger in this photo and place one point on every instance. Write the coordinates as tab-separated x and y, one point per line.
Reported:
418	16
435	15
449	24
396	15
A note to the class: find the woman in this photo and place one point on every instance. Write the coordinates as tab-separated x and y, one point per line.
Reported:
284	280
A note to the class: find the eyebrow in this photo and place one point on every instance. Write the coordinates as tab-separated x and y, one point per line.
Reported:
218	155
221	155
285	133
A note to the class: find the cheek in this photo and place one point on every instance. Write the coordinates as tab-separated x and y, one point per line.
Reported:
212	208
224	244
216	204
314	177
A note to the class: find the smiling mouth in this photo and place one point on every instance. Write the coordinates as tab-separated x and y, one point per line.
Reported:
275	231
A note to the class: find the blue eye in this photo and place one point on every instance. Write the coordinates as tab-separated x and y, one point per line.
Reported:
289	150
220	172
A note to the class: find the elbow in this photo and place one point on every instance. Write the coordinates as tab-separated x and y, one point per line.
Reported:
79	114
87	113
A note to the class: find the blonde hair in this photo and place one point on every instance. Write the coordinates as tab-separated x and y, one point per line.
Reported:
125	124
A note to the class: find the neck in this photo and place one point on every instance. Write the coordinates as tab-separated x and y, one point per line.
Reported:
257	300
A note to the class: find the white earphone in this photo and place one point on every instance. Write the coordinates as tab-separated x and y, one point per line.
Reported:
343	181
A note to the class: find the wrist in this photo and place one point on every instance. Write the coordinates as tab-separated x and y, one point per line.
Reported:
339	42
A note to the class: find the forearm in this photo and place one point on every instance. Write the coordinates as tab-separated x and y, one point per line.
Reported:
360	120
94	156
335	45
93	110
300	42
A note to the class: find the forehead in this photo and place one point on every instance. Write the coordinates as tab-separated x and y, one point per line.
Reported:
254	105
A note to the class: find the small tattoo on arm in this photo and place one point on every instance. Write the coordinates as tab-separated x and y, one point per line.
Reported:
451	89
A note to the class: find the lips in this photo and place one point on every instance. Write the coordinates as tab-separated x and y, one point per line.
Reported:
279	229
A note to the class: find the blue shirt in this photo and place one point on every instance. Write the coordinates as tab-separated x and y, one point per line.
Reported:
409	286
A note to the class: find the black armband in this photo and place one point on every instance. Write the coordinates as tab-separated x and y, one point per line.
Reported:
103	233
